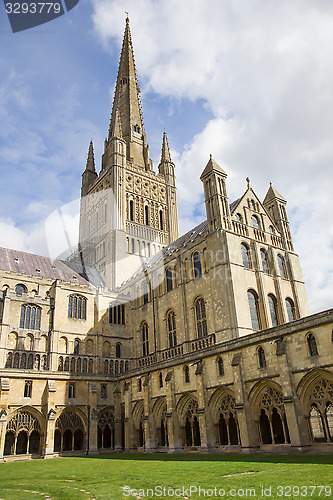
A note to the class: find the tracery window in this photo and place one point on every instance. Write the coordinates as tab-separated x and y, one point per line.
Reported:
192	427
105	430
321	411
22	434
227	424
30	317
272	421
69	432
200	317
77	306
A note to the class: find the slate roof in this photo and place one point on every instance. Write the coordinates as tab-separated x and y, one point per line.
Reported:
37	265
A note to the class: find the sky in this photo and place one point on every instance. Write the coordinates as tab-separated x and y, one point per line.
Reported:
249	82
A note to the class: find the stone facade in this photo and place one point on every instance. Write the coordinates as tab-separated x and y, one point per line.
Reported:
202	342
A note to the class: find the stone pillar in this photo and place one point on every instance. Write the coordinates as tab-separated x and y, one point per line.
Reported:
3	424
117	420
49	434
92	418
203	429
174	431
93	445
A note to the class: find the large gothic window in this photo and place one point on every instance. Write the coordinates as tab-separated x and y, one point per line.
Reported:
77	306
171	324
272	419
246	256
30	317
227	424
290	309
23	433
105	430
321	411
200	317
192	427
69	432
273	309
145	339
254	309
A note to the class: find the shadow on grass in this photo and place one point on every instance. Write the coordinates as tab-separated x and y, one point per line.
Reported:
233	457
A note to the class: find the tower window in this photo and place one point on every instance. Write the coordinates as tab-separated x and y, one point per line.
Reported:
76	349
255	222
254	309
161	220
30	317
146	215
71	391
290	309
118	350
246	256
282	266
136	128
220	366
160	378
19	289
27	388
273	309
264	261
131	210
145	339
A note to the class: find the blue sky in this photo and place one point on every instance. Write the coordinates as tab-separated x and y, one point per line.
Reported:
249	82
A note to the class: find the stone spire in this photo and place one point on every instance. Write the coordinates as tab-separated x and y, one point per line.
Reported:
126	113
91	159
89	175
165	156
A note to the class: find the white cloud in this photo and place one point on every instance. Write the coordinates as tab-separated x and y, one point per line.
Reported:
264	71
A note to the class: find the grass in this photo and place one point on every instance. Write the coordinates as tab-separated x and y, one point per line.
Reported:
103	477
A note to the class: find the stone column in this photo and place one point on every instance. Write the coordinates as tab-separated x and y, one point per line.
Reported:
3	424
92	418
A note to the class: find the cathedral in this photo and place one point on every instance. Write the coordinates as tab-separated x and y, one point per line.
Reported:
144	340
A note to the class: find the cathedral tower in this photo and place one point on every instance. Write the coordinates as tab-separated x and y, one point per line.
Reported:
128	212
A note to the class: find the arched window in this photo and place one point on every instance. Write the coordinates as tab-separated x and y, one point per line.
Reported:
187	374
246	256
200	317
161	220
197	270
273	309
103	391
312	344
169	279
132	245
220	366
30	317
145	339
71	391
145	292
171	324
19	289
239	218
316	425
264	261
255	222
254	309
77	307
146	215
160	379
139	384
131	210
76	349
261	357
290	309
282	266
271	229
117	314
118	350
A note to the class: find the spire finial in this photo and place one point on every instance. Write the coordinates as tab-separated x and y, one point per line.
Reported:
248	182
127	18
270	184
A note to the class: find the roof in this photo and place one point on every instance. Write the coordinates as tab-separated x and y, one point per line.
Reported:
211	166
188	237
234	204
45	267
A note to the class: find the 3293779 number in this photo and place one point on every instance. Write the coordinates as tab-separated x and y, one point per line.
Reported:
33	8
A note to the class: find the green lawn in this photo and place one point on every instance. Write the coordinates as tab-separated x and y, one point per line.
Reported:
103	477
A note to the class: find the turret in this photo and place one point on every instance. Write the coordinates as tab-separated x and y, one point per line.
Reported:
275	205
217	204
166	168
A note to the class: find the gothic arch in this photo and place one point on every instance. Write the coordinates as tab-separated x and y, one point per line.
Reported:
266	399
222	404
70	430
307	383
159	411
105	428
24	431
187	409
138	422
